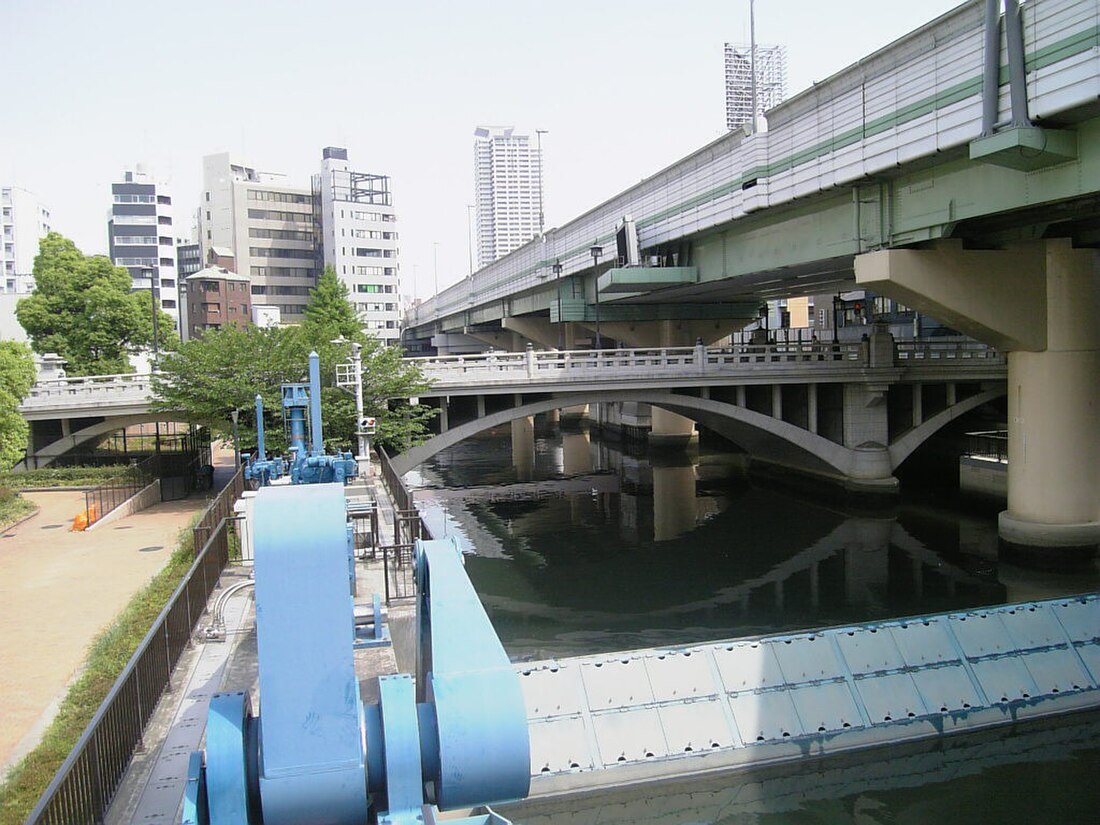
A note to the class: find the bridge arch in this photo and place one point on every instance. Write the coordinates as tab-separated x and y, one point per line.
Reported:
45	456
904	447
759	434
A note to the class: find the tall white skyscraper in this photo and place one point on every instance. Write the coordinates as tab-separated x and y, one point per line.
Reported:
359	240
771	81
508	191
141	238
23	223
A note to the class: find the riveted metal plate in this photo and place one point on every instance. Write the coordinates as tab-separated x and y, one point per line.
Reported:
680	675
826	707
981	634
890	697
870	650
1033	626
748	666
1004	679
1081	619
766	716
559	745
1091	656
616	683
630	735
551	691
924	642
806	659
692	727
1056	670
946	688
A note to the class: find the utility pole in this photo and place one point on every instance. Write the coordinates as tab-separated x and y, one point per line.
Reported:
752	58
538	136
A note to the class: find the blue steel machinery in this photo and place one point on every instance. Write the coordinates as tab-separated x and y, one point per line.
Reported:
307	466
453	737
260	468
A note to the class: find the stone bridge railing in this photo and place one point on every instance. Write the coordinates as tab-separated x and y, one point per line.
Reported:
110	392
566	366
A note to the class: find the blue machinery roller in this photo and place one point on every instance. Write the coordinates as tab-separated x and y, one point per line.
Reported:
307	466
455	737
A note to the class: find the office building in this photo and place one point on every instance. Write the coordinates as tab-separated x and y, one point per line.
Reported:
264	228
23	223
188	262
358	228
140	236
771	82
216	298
508	191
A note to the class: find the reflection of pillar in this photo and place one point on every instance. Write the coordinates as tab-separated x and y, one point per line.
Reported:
673	501
667	429
576	456
815	587
523	447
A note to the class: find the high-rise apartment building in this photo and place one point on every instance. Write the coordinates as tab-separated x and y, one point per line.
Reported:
508	191
267	228
358	238
23	223
139	236
771	82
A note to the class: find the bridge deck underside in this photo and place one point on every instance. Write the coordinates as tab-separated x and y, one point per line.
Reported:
598	721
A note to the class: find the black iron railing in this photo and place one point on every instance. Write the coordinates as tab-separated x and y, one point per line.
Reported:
101	500
220	509
991	445
84	785
400	494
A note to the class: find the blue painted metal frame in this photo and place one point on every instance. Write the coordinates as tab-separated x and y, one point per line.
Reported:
260	468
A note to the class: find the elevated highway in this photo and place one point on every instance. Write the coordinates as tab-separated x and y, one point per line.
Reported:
956	171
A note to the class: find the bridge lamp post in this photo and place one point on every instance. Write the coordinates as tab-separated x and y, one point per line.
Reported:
597	251
836	319
561	323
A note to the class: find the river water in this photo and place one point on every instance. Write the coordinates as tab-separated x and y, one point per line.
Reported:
580	546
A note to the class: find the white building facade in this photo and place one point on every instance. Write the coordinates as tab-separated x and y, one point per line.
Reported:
140	237
358	239
507	191
771	82
262	228
24	221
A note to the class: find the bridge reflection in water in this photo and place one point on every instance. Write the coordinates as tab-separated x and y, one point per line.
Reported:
583	548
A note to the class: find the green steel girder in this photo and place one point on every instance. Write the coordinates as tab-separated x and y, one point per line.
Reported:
575	309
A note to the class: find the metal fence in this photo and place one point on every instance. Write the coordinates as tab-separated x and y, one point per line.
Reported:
84	785
400	495
397	558
220	509
101	500
990	444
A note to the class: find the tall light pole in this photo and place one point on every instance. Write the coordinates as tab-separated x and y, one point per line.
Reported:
470	234
538	137
597	251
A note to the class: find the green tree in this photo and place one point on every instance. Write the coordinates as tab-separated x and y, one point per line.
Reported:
206	378
329	312
16	377
83	309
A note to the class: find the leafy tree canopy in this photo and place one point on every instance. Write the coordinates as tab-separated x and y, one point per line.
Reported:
83	309
206	378
329	312
16	377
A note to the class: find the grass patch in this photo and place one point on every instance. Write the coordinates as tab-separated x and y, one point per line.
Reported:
13	507
107	656
64	476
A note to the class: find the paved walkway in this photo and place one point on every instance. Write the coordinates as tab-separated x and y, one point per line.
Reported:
58	591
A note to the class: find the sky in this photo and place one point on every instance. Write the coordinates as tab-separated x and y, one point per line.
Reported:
622	89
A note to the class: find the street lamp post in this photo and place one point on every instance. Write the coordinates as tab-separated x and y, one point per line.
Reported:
836	319
361	437
538	136
235	414
561	324
597	251
153	300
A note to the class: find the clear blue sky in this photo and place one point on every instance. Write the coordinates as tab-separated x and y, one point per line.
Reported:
623	88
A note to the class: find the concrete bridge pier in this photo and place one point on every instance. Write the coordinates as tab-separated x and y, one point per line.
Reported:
1040	303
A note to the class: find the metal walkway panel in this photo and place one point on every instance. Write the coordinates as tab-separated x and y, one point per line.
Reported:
603	720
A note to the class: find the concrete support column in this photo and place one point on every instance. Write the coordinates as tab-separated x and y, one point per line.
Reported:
739	396
667	429
918	410
777	401
481	406
66	427
577	413
523	447
443	425
811	408
553	416
951	393
866	431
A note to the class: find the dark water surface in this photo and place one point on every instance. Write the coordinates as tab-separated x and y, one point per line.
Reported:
582	548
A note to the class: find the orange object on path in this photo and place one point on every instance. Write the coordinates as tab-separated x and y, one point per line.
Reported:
85	519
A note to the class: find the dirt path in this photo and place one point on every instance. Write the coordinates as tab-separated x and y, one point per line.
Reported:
58	590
